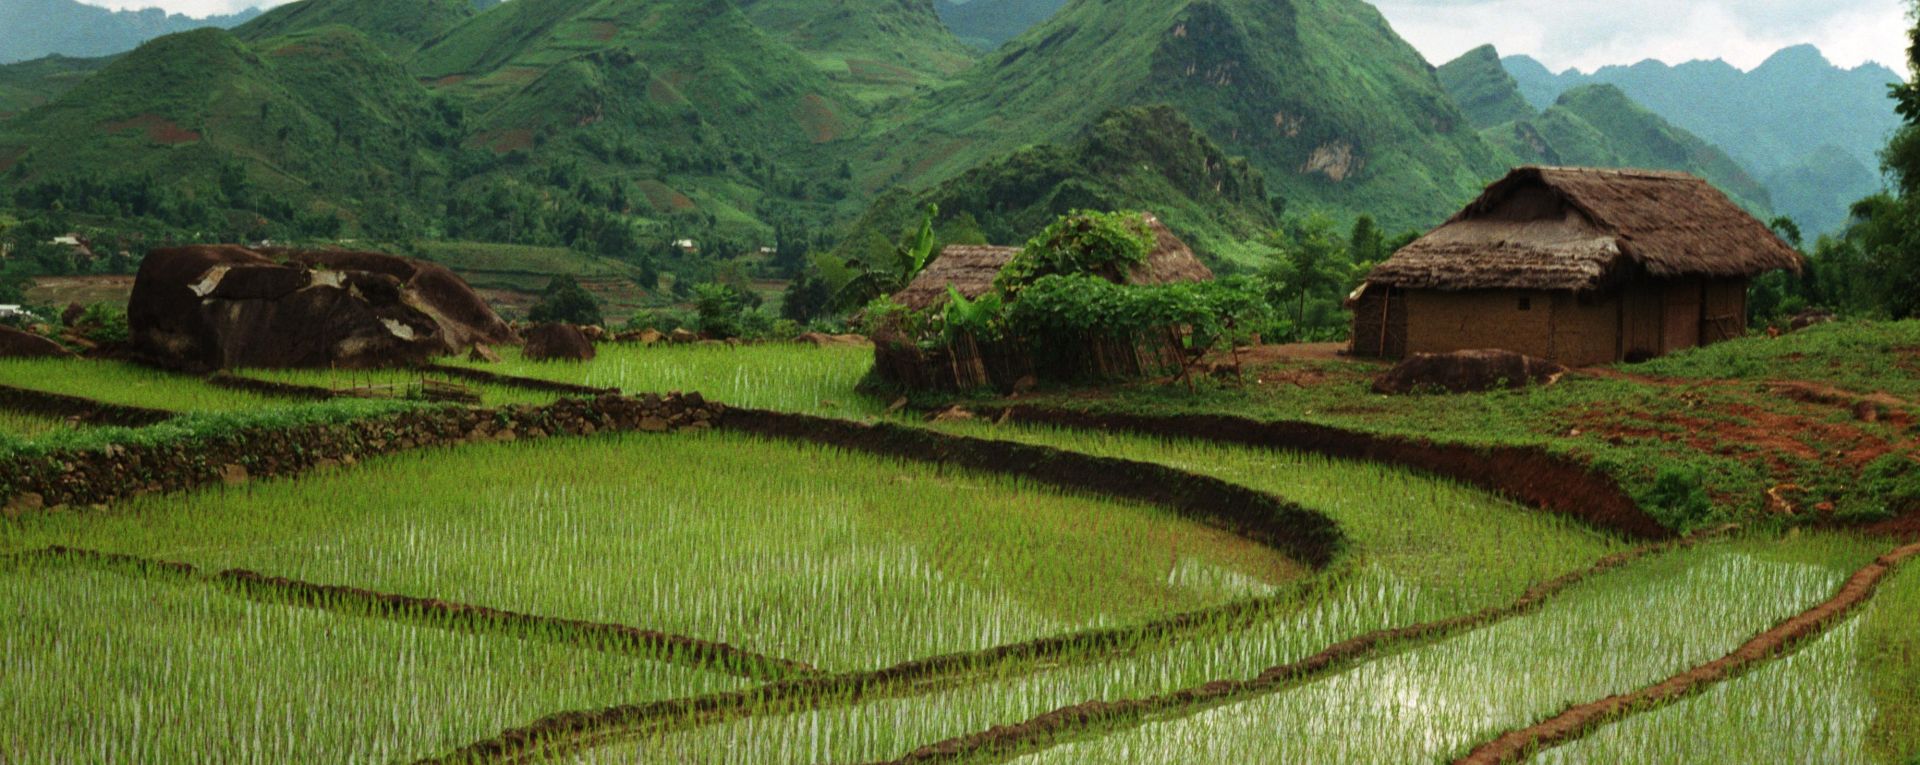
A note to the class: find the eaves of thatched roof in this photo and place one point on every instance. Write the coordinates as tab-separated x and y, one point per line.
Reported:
1548	228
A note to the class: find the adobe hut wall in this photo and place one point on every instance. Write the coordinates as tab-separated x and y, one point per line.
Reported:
1725	311
1586	329
1513	320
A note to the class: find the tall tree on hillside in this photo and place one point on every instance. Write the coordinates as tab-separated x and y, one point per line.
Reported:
1888	229
1311	260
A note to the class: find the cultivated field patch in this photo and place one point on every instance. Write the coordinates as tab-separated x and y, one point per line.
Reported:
157	129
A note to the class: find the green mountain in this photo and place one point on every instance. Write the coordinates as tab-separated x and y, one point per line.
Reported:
1320	95
1773	119
31	29
29	84
988	24
322	117
1484	90
883	48
1144	158
399	26
1819	191
1599	126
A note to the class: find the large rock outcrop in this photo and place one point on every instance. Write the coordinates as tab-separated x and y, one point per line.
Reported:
218	307
558	342
1467	372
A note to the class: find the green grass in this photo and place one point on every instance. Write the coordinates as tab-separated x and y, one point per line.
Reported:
1889	663
126	384
790	378
1626	428
521	268
839	560
101	668
1433	702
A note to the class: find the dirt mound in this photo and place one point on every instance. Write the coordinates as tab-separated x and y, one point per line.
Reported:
1467	372
16	344
823	340
218	307
558	342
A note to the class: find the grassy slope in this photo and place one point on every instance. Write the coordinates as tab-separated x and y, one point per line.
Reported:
688	95
1293	86
31	83
398	26
1141	158
1599	126
880	49
1714	412
318	115
1484	90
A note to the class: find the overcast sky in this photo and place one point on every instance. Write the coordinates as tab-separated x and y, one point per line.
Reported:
1573	33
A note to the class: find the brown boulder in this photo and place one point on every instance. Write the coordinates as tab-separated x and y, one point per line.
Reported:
1810	318
682	337
17	344
217	307
558	342
73	313
1467	372
483	353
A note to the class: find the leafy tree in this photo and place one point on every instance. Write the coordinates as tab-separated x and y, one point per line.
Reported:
893	272
566	302
1312	261
807	298
1368	244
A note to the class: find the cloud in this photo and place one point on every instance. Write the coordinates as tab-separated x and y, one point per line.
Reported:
1588	34
194	8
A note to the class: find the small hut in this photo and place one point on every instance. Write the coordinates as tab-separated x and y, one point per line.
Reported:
971	271
1578	266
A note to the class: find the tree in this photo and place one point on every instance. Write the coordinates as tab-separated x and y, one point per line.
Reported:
566	302
1311	259
1368	244
893	272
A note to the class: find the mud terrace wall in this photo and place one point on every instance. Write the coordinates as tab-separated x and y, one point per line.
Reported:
97	477
1527	475
85	410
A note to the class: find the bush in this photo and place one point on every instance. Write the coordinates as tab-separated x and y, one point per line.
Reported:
104	323
1679	498
1083	243
566	302
1887	486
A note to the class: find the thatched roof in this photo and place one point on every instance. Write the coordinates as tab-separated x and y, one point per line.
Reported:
1550	228
971	269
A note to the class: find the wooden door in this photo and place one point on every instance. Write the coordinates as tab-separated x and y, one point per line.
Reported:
1682	316
1640	322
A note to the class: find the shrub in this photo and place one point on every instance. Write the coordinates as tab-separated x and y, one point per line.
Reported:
104	323
1679	498
1083	243
566	302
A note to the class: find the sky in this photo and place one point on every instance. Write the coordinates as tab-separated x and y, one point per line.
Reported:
1583	34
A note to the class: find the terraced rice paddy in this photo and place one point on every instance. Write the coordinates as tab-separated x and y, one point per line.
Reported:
781	377
713	597
25	425
126	384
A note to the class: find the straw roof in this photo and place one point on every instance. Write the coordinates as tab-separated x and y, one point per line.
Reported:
1550	228
971	269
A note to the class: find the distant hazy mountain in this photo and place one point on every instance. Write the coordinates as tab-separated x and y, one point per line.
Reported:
991	23
31	29
1777	120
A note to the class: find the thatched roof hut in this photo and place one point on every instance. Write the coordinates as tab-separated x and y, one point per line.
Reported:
1581	229
1577	265
971	269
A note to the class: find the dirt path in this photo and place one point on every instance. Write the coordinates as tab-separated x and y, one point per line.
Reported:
1796	631
441	614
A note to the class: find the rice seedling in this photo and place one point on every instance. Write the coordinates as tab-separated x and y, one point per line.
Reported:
840	560
96	667
1432	702
1848	698
29	425
781	377
127	384
389	383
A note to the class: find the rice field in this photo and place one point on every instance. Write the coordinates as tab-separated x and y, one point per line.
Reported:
96	667
842	561
864	568
791	378
127	384
27	425
390	383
